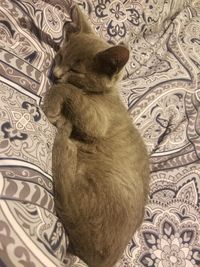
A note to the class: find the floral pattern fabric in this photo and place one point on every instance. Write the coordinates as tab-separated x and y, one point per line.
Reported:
161	89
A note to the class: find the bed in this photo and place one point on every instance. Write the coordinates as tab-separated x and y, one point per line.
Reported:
161	90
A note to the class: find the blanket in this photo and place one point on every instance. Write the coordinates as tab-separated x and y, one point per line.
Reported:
161	90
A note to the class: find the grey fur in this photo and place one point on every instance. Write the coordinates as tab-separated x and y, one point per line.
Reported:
100	163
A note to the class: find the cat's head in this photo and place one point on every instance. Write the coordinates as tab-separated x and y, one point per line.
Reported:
87	61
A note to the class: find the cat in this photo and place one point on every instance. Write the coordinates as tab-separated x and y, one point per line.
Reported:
100	163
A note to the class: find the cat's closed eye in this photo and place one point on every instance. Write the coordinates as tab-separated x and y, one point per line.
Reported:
75	70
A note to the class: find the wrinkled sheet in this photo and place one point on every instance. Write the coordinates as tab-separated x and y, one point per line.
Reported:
161	89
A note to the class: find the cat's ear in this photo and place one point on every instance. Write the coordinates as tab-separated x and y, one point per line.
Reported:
78	24
111	60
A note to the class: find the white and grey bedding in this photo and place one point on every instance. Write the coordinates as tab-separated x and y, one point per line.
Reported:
161	89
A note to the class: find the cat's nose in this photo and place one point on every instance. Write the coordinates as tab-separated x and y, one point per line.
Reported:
52	77
58	72
53	73
55	79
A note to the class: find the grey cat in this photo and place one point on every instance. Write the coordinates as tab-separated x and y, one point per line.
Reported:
100	163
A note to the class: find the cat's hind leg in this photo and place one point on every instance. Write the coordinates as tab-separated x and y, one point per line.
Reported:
64	166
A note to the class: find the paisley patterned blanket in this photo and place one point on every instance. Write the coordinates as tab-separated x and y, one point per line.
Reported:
161	89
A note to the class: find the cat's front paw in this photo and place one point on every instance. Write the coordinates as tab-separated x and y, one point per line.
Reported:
52	108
